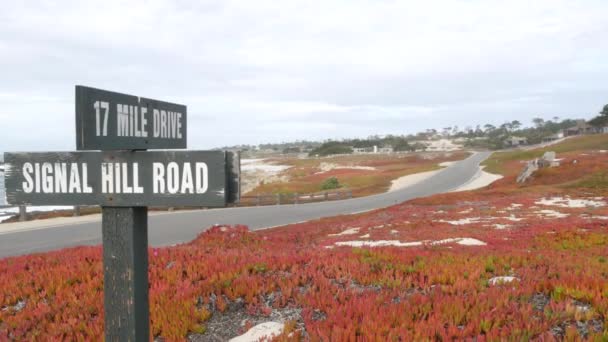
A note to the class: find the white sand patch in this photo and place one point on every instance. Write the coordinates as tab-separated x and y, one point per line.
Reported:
502	280
325	167
551	214
349	231
567	202
460	241
366	236
468	220
501	226
379	243
513	218
480	180
263	330
257	171
397	243
440	145
409	180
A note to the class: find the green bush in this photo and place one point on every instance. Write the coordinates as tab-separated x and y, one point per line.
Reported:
330	183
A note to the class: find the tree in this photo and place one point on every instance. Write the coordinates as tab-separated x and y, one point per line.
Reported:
515	125
538	122
602	119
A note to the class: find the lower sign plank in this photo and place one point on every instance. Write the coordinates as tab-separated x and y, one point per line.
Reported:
180	178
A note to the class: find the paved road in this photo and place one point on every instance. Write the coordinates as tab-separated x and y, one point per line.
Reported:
171	228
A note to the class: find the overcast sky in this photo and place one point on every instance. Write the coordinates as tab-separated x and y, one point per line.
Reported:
271	71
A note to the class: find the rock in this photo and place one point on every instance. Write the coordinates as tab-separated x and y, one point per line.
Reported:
502	280
263	330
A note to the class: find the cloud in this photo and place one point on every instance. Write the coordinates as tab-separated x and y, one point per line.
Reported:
260	71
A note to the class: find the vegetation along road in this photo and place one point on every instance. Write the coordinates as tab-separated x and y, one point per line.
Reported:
177	227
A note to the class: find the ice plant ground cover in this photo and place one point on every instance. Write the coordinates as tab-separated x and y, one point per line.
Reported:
487	264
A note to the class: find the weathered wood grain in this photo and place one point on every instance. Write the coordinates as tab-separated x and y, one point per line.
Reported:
125	264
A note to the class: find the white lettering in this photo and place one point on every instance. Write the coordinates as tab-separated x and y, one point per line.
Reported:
158	181
156	123
144	122
202	174
61	178
87	189
28	185
74	179
126	189
117	177
122	120
163	124
136	188
47	178
187	182
37	175
179	125
172	178
107	178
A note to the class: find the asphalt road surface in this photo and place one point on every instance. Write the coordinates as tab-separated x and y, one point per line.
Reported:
178	227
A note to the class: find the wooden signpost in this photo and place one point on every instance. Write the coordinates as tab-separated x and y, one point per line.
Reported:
124	179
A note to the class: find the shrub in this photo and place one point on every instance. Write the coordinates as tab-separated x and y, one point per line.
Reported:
330	183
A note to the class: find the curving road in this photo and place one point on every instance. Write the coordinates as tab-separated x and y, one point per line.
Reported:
177	227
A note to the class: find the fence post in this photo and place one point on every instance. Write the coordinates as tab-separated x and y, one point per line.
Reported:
295	199
278	199
76	210
22	213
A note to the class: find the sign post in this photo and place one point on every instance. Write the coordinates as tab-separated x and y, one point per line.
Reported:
124	180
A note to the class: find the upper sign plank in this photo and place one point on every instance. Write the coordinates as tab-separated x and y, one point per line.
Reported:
107	120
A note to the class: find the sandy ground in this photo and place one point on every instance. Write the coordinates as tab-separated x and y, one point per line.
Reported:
256	171
405	181
481	179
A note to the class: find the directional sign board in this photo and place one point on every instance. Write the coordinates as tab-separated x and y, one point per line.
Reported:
134	179
108	120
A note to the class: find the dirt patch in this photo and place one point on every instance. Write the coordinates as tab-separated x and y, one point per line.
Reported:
237	318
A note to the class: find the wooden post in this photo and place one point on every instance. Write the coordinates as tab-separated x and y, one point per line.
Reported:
125	264
22	213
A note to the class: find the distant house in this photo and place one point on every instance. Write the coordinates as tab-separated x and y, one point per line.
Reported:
362	150
516	141
553	137
580	128
385	149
